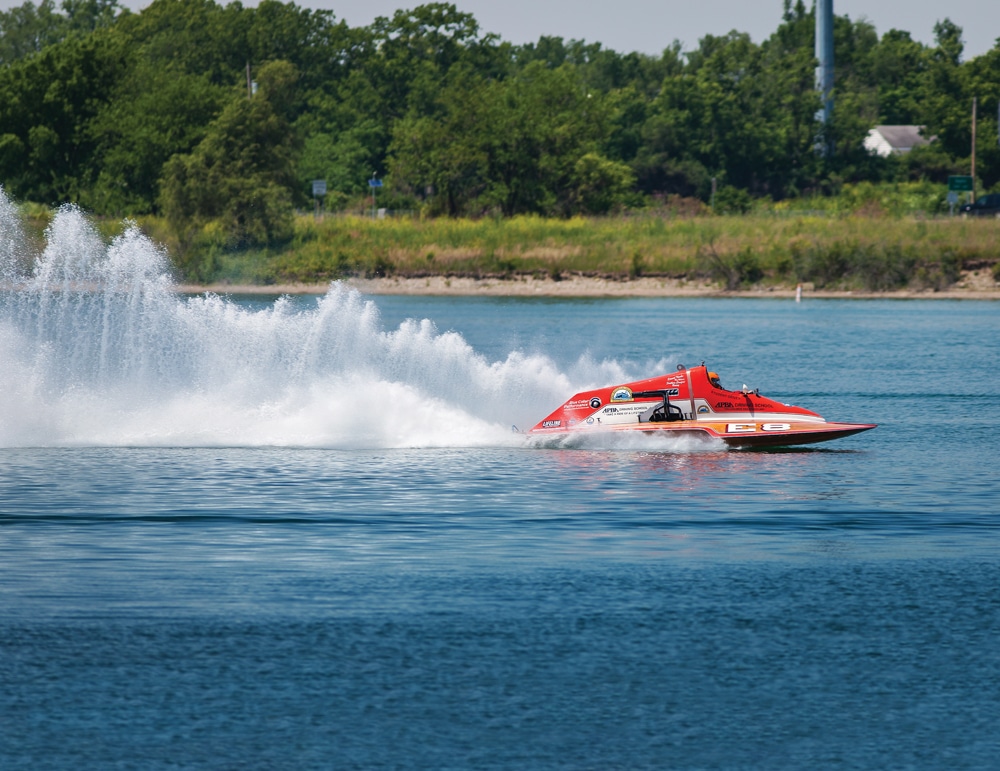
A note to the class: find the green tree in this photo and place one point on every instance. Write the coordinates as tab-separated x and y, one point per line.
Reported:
948	97
397	67
236	184
94	102
445	156
512	146
84	16
899	67
598	184
157	112
737	111
47	102
344	160
27	29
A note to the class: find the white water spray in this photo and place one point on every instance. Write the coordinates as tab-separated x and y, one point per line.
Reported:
98	349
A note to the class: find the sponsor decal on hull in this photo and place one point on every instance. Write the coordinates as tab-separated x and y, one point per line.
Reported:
626	409
621	394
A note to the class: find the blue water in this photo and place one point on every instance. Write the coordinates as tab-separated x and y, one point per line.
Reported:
240	535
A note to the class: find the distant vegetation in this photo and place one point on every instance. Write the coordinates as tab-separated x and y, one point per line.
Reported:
734	251
152	115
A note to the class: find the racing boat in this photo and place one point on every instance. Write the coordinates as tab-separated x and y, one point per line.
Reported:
691	401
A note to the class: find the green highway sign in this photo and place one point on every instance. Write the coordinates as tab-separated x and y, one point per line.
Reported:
959	183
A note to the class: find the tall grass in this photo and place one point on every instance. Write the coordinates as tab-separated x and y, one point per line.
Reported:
831	252
767	247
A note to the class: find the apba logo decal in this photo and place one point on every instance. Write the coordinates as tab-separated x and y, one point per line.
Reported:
621	394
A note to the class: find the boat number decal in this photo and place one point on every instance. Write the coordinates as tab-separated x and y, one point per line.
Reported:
551	423
745	428
595	402
621	394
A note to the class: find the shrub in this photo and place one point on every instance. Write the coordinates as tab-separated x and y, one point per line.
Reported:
735	270
732	200
824	264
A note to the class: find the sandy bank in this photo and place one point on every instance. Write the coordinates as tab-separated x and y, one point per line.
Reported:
973	285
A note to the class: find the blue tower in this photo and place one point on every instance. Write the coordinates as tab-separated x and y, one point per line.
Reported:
824	53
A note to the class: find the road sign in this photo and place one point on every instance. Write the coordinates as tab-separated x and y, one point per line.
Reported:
959	183
374	183
952	197
319	187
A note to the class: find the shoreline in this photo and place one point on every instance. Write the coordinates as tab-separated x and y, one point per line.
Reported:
973	285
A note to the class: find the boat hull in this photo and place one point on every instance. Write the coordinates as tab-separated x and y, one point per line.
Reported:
746	434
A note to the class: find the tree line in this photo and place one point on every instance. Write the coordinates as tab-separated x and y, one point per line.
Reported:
219	117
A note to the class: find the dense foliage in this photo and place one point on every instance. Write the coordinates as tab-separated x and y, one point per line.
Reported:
155	112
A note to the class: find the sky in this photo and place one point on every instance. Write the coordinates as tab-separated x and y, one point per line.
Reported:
650	26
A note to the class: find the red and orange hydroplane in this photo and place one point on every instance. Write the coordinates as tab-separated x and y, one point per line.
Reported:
691	401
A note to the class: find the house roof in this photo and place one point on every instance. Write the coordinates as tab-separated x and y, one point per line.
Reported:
890	140
902	136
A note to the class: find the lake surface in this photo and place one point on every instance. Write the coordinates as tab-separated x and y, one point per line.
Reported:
236	533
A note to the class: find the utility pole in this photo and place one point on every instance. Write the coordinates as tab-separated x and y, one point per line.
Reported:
249	84
974	100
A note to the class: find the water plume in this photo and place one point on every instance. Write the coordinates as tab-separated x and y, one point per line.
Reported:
97	348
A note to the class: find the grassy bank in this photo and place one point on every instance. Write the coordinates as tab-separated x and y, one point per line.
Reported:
872	254
829	251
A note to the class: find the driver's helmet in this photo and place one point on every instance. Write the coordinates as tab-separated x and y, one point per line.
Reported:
713	378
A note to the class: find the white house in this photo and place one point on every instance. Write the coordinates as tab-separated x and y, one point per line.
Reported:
894	140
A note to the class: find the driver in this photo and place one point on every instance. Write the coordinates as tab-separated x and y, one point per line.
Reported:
713	378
